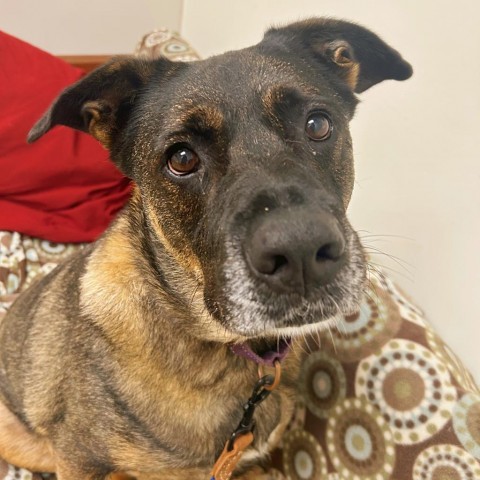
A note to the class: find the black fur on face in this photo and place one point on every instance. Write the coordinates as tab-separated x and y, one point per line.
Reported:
241	120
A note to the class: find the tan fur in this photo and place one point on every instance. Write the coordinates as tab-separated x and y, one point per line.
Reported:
21	447
352	72
339	52
95	127
100	132
190	262
203	114
270	98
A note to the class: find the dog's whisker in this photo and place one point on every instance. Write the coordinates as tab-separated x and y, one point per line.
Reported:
382	235
319	340
376	251
193	296
379	267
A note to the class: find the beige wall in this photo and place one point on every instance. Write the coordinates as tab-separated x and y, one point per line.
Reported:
87	26
416	143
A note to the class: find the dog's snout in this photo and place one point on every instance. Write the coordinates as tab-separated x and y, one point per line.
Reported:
293	251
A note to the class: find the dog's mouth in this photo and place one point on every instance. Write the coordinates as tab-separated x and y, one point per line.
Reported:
261	346
263	351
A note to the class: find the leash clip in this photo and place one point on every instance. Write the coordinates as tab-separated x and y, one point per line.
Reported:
262	389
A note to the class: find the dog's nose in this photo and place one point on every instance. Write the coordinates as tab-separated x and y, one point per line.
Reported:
292	251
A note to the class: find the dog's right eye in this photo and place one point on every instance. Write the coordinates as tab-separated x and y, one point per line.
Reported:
183	162
318	126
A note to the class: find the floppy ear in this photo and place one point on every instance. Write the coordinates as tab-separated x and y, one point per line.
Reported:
358	56
101	102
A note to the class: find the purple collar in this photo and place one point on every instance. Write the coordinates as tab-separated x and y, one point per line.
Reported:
268	358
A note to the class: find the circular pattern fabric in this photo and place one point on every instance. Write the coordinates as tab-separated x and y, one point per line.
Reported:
23	259
157	37
360	443
12	263
9	472
407	309
410	387
376	322
9	243
164	43
466	423
53	252
322	383
303	457
445	462
454	364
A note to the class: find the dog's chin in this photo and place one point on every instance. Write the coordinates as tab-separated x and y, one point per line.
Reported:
292	317
289	327
281	339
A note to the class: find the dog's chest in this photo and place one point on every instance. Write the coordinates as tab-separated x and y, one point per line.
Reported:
193	432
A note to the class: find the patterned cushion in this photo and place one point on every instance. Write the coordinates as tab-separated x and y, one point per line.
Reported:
381	398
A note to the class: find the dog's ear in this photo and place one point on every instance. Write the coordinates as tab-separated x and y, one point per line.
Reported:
358	56
101	102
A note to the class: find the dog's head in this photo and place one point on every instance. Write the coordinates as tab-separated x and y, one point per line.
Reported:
244	166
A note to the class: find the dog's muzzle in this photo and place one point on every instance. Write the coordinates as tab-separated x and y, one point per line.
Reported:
292	261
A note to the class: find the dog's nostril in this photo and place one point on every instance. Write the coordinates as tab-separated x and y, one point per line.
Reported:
279	262
270	264
330	251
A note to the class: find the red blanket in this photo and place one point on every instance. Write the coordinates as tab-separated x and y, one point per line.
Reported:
62	188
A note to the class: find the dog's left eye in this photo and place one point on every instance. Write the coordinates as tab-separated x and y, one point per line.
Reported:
318	126
183	162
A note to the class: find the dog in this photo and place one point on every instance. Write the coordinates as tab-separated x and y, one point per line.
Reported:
119	362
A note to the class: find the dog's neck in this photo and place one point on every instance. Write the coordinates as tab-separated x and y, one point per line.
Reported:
137	274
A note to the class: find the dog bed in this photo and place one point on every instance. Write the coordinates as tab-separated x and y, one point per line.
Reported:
381	398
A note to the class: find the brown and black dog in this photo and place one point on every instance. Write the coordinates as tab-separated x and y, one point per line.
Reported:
119	360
